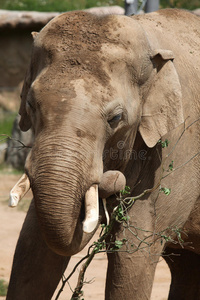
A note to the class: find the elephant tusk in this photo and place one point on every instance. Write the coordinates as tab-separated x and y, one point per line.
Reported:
19	190
91	209
106	211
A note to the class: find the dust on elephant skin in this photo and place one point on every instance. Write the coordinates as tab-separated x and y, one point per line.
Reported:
99	94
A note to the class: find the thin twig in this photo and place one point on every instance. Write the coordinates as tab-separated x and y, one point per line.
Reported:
70	275
144	243
185	163
185	128
11	138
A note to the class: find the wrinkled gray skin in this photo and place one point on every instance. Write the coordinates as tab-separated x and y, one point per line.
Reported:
111	87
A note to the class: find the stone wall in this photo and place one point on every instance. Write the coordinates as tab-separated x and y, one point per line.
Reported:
16	43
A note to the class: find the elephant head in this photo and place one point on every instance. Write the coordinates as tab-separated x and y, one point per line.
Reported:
93	82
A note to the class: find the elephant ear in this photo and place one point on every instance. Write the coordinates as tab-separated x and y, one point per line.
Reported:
25	121
162	109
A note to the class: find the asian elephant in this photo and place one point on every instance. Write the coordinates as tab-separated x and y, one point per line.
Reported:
100	92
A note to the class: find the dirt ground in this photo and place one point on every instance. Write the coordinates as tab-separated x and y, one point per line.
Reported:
10	224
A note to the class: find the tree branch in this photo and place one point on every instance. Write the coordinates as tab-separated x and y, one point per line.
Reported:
11	138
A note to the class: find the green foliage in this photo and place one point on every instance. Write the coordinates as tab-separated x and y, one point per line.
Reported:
120	214
192	4
54	5
6	123
164	144
144	241
114	246
177	231
125	191
107	242
165	190
171	166
167	238
99	245
3	287
67	5
118	245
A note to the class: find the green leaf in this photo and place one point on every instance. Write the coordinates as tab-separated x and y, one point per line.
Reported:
99	246
171	166
166	191
118	244
164	144
125	191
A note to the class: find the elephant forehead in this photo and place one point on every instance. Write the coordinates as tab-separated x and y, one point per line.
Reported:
60	94
79	43
80	28
76	31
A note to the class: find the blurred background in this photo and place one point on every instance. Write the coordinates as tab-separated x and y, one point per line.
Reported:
66	5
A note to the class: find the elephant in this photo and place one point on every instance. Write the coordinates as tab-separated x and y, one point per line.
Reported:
112	96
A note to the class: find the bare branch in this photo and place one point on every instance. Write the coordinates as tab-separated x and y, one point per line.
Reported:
7	137
171	234
185	163
185	128
64	281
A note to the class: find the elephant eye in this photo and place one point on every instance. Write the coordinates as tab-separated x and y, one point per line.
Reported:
30	104
115	119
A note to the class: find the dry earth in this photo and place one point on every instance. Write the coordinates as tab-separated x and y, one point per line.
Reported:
11	221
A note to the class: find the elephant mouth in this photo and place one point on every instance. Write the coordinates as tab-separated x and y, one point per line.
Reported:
111	183
89	211
73	236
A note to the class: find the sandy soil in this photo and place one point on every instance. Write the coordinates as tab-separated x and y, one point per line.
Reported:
11	221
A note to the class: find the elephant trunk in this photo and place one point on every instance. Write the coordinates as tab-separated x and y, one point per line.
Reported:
65	183
60	189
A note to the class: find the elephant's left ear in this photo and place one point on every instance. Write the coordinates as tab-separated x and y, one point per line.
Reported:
162	109
25	121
